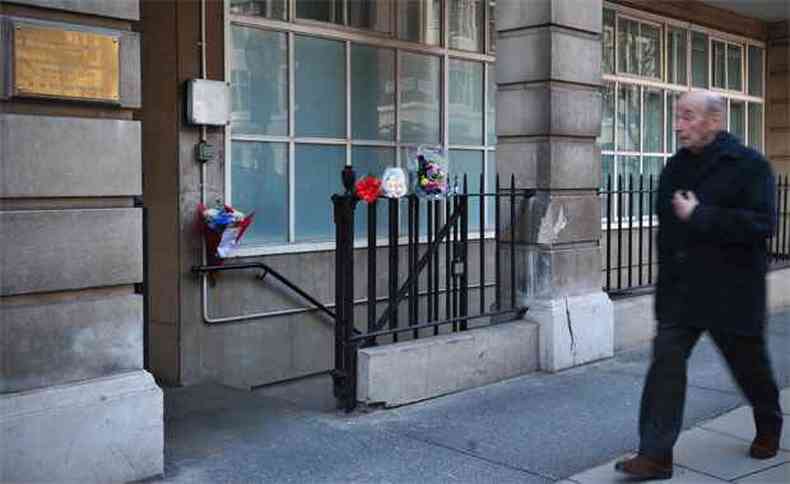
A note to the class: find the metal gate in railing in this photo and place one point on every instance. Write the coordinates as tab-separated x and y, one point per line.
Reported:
431	291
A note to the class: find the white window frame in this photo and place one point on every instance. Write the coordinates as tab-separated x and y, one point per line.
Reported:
618	79
349	35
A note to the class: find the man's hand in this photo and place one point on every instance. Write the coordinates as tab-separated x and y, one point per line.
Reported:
684	203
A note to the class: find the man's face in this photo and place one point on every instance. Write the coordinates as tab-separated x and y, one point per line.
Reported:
695	127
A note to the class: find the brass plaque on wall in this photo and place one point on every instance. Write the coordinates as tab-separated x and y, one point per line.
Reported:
66	64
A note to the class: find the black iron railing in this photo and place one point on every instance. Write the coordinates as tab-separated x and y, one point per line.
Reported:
630	225
432	289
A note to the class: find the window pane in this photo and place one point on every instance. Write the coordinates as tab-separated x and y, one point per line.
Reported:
259	183
466	24
492	26
755	71
372	93
370	14
628	118
654	121
607	64
719	64
699	60
606	139
371	161
628	174
320	87
650	41
275	9
490	188
627	45
734	67
676	56
259	82
607	171
651	166
469	163
491	109
738	119
317	174
756	126
672	136
420	21
323	10
419	103
466	102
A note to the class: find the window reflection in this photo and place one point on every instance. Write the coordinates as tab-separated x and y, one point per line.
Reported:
372	93
466	24
420	21
276	9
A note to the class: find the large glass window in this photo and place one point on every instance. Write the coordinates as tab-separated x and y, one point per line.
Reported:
419	98
755	71
644	79
372	93
676	56
466	24
259	80
305	104
699	60
320	97
420	21
466	102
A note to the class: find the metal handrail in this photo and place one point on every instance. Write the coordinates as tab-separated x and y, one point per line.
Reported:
266	270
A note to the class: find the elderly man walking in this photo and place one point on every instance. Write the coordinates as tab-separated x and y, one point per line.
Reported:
715	209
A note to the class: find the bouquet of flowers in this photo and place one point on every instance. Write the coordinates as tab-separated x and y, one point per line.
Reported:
222	227
393	183
368	189
429	167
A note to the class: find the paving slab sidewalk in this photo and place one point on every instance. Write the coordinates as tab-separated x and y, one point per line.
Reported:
714	451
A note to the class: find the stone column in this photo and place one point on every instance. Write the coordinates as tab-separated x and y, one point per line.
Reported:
548	116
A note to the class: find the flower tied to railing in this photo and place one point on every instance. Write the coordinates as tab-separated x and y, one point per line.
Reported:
368	189
222	228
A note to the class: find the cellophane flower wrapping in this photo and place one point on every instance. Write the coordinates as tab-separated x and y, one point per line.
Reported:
429	170
222	227
393	183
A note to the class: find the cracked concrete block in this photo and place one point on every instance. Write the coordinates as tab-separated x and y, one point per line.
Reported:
573	330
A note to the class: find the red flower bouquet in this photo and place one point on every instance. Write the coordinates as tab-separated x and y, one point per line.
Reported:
368	189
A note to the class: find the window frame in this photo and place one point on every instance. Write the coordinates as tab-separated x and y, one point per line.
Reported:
618	79
350	35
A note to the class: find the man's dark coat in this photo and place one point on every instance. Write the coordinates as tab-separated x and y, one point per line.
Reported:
712	268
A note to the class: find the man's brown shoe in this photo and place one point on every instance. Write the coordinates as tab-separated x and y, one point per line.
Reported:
764	447
645	468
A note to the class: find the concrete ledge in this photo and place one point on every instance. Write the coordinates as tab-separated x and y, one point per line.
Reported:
779	289
102	430
407	372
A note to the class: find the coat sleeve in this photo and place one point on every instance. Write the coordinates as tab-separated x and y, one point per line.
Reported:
752	221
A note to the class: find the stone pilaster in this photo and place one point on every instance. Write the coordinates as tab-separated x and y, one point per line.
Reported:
548	116
777	115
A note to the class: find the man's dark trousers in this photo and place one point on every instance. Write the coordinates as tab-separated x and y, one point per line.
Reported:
664	394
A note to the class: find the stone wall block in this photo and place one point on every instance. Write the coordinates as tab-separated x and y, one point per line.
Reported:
520	67
552	219
565	163
50	344
121	9
514	102
131	89
575	111
575	57
582	15
43	156
102	430
53	250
